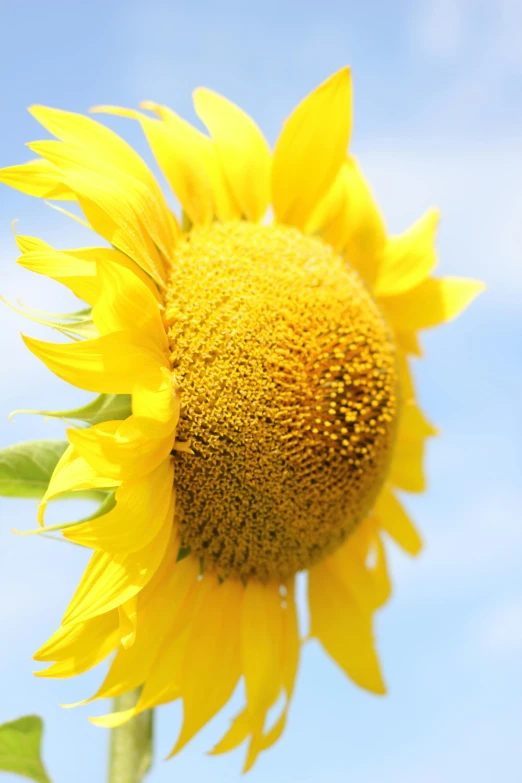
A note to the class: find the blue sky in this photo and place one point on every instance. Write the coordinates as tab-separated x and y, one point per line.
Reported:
438	120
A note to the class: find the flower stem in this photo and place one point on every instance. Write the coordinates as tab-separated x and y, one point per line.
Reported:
131	745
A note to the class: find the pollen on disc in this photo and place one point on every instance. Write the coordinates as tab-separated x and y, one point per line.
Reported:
289	397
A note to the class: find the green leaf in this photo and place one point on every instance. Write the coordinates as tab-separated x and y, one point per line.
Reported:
26	469
20	748
105	407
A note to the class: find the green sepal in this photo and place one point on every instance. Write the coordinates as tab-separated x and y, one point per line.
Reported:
186	222
183	552
104	407
79	315
107	504
75	325
26	469
20	742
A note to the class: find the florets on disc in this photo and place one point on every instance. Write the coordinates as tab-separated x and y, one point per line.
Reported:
289	396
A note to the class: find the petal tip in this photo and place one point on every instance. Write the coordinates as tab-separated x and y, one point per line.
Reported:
35	108
343	76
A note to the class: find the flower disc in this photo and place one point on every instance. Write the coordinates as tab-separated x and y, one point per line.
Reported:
288	381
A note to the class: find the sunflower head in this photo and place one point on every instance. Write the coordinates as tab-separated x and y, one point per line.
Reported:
289	397
273	414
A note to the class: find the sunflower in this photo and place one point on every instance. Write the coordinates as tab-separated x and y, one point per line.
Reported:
273	411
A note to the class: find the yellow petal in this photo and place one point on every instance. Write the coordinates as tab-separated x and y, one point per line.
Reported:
162	686
344	630
124	302
112	579
406	468
405	377
290	658
79	276
128	619
97	140
78	648
330	217
364	226
394	520
360	539
121	449
264	741
261	642
348	563
165	679
242	726
113	720
37	178
76	268
349	220
225	205
242	151
140	511
72	640
109	255
413	424
379	573
360	564
73	474
183	153
117	206
100	145
27	244
409	258
236	734
113	363
157	407
159	605
291	643
431	303
209	682
311	149
408	342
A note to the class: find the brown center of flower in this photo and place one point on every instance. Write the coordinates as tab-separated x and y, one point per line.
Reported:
289	397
